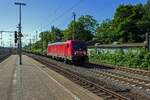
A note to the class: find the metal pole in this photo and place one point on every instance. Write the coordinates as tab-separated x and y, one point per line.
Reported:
20	44
30	44
42	42
19	31
36	36
74	21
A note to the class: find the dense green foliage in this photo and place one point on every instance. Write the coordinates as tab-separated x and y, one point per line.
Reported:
128	58
129	24
84	28
47	36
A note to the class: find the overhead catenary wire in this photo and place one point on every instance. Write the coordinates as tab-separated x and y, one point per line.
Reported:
63	14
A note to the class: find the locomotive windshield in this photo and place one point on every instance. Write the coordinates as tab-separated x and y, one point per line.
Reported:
79	46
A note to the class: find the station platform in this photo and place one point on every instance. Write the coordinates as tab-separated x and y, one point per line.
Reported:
34	81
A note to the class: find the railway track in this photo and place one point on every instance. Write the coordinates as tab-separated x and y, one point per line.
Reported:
142	82
129	70
135	87
81	80
136	82
4	56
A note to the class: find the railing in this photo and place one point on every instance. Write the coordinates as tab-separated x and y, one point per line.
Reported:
123	46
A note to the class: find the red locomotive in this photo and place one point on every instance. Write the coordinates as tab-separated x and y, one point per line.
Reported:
71	50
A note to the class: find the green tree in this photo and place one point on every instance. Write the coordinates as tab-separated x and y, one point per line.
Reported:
85	27
126	20
56	34
89	23
129	24
105	32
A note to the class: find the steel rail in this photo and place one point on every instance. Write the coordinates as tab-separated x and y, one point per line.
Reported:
81	80
4	56
142	83
125	69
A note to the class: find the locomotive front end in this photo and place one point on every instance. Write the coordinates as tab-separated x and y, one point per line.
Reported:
79	52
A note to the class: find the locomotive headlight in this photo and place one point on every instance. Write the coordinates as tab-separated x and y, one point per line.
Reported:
75	53
84	52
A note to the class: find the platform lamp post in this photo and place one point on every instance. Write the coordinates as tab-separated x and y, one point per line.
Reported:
74	23
19	31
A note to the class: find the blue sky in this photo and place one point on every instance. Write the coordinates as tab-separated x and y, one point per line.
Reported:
39	15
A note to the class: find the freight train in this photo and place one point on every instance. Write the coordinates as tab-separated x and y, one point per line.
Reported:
70	51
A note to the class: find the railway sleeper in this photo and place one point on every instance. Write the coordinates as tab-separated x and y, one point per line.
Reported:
84	84
108	97
88	86
101	94
96	91
92	88
78	82
77	79
74	79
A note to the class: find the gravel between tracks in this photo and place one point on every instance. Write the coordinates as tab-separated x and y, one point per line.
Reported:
128	90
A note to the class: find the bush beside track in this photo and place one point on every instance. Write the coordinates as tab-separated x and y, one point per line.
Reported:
132	58
98	63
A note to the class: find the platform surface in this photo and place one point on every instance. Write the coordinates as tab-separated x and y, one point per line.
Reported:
34	81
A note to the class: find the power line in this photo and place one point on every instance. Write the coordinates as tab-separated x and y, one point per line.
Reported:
63	14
